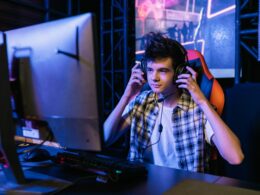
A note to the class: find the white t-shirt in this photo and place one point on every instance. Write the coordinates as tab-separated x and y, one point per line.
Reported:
162	152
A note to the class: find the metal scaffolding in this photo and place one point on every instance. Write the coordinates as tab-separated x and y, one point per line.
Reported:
246	32
116	49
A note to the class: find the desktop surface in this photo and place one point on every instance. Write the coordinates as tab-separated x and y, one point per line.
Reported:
35	183
159	180
204	188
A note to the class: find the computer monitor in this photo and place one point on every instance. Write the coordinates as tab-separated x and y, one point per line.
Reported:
56	65
14	180
9	160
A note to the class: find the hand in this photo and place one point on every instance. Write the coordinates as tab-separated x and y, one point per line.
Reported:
188	81
135	82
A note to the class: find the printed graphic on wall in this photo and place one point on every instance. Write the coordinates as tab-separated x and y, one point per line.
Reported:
204	25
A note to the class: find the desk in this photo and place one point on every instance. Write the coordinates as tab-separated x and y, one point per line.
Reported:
158	181
238	183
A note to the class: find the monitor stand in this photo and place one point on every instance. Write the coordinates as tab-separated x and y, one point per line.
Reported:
36	183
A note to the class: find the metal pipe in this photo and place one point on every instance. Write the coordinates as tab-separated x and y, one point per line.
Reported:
244	4
252	52
237	43
248	31
112	52
47	12
125	54
102	56
249	15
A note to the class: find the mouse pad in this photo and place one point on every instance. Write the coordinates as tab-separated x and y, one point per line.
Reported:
202	188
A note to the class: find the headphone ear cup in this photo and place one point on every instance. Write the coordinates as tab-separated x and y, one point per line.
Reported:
179	70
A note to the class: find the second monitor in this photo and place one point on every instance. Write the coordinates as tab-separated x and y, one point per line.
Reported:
55	65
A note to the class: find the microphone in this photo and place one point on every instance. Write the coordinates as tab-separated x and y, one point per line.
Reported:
160	127
161	99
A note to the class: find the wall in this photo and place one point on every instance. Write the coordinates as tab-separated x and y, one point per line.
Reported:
242	114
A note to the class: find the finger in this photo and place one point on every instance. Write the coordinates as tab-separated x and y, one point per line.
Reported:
187	77
137	65
193	72
187	86
184	76
184	86
137	62
194	77
139	77
190	70
137	71
137	81
188	82
182	81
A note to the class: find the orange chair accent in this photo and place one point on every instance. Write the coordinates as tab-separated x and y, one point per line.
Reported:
217	97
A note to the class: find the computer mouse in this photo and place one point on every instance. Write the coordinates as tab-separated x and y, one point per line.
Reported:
37	155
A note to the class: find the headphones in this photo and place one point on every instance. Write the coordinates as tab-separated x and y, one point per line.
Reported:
178	68
181	68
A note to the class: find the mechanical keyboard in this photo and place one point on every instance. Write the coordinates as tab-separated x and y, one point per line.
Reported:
106	168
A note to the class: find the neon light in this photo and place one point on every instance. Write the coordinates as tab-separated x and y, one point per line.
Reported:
139	52
202	41
209	15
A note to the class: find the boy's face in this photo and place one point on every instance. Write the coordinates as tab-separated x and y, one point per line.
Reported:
160	75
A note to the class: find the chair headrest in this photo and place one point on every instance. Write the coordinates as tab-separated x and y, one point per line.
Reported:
204	82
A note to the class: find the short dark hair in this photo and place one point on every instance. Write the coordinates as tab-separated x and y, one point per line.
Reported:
158	46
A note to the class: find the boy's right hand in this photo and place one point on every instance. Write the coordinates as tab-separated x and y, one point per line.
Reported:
135	82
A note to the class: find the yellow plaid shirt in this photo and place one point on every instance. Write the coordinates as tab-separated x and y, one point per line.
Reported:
188	124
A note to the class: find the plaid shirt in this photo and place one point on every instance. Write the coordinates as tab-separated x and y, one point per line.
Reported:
188	124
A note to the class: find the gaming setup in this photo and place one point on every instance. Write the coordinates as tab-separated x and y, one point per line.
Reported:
49	94
48	86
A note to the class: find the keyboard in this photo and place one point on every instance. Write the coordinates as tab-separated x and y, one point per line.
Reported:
106	168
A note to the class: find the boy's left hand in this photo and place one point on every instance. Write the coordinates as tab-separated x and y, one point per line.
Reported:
188	81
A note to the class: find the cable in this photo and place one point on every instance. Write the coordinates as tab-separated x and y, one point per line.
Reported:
160	128
34	147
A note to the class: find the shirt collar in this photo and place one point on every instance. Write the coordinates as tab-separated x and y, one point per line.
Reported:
183	102
152	97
